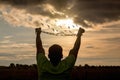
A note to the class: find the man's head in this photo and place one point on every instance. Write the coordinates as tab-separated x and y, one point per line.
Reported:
55	54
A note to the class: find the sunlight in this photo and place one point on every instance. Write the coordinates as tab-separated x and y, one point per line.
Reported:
67	23
64	21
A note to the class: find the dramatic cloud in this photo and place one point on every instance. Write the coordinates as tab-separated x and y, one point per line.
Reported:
87	13
40	7
23	2
96	10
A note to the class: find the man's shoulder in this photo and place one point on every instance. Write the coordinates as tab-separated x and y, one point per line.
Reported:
69	57
41	56
69	60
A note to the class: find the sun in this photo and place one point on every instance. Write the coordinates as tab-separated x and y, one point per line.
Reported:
67	23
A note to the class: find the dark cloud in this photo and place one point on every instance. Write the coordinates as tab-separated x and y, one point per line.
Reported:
40	10
94	11
23	2
36	6
59	4
97	11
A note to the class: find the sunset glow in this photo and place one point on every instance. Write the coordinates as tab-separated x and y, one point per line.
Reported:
67	23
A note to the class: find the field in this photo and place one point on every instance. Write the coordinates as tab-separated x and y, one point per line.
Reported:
29	72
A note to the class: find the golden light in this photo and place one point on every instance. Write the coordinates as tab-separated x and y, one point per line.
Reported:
64	21
67	23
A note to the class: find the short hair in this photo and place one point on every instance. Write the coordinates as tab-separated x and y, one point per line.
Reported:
55	53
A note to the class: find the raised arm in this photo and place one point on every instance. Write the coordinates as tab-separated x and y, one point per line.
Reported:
39	46
77	44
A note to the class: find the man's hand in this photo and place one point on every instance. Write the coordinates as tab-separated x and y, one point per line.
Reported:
80	31
38	30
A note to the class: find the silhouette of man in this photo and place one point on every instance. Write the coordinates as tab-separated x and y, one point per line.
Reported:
55	68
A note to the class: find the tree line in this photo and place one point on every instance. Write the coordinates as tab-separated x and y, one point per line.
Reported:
86	72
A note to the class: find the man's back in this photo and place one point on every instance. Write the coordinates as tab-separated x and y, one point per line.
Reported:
49	72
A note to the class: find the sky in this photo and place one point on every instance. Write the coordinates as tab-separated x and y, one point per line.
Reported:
100	19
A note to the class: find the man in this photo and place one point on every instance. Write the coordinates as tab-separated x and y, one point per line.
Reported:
55	68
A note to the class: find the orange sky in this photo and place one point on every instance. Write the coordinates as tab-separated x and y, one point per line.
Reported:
99	47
